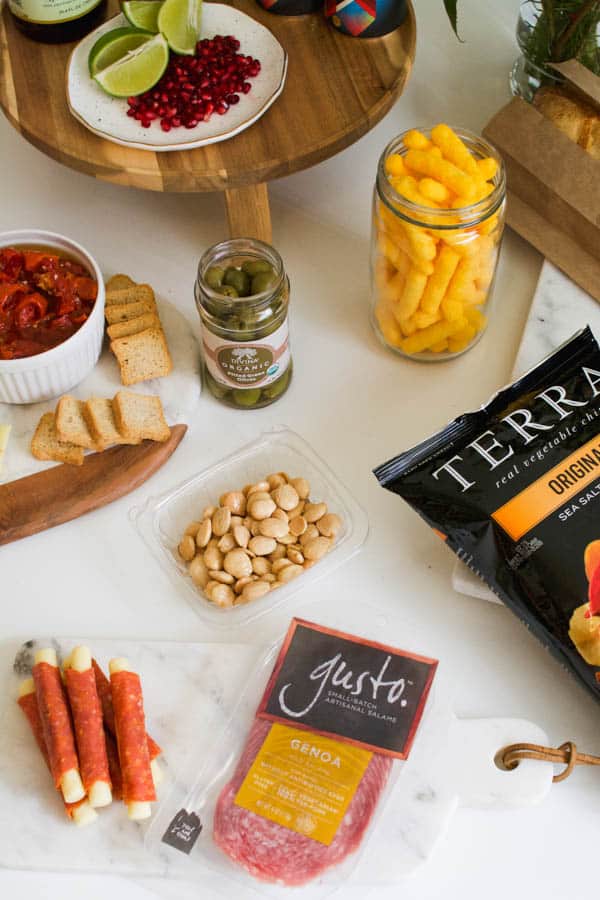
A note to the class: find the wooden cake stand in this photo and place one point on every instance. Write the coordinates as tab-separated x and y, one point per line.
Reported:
337	89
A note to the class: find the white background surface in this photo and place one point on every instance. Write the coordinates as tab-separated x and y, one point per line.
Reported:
357	405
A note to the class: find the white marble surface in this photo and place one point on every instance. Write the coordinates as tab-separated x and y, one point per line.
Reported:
357	405
179	392
200	697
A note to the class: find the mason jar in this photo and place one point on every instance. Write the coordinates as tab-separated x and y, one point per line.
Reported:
242	295
433	253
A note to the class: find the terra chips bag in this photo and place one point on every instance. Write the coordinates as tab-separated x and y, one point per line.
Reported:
514	490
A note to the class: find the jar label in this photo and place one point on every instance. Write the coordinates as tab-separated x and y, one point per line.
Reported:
250	364
50	12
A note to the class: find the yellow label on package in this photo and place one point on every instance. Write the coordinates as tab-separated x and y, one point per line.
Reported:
303	781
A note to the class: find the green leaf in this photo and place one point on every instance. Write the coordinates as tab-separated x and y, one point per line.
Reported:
450	7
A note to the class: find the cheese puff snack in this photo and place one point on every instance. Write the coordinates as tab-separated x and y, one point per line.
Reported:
438	217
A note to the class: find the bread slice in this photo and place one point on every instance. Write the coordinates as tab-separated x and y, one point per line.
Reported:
46	445
132	326
132	294
140	417
119	283
100	419
71	426
123	312
142	356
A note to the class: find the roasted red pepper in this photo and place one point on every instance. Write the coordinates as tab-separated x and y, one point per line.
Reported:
44	299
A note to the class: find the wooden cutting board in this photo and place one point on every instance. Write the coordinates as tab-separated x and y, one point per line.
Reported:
57	495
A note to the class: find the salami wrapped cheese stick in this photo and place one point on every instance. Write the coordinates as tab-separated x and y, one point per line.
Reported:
81	812
114	766
87	724
105	695
56	726
128	705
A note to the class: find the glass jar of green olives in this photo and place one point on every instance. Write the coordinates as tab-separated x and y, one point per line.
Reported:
242	295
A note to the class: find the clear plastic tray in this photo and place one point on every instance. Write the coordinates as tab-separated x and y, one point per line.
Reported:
162	520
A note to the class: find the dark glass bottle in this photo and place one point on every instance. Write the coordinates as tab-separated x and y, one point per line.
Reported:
57	21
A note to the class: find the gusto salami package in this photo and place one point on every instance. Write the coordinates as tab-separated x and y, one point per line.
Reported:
514	490
292	796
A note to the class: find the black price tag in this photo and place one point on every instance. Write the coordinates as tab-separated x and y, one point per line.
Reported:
184	831
344	686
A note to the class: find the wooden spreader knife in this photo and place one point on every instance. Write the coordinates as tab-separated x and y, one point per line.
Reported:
62	493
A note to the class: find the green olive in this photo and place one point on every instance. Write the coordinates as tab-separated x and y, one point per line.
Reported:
254	266
247	397
277	388
262	282
228	290
237	279
216	389
214	277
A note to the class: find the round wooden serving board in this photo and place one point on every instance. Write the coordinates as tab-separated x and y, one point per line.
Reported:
337	89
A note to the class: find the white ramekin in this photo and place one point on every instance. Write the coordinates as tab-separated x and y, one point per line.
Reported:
57	370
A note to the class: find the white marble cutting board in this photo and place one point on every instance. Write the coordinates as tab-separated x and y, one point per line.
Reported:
559	308
179	392
190	690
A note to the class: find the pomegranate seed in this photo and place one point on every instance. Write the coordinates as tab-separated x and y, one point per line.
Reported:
165	125
246	87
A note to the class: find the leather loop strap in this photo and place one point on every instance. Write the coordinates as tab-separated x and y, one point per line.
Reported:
566	754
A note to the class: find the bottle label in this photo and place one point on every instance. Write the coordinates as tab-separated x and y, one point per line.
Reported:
51	12
250	364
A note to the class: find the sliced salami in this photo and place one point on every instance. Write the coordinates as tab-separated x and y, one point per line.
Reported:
270	851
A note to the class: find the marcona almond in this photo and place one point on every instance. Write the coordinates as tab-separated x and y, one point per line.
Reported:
297	510
314	511
310	534
237	563
317	548
241	535
209	512
192	529
254	591
187	547
295	556
278	553
289	572
275	480
221	521
286	497
234	501
280	564
261	566
222	577
198	572
258	487
287	539
262	546
226	543
329	525
261	509
204	533
269	578
209	586
298	525
301	486
274	528
281	514
213	558
241	583
237	520
222	595
254	527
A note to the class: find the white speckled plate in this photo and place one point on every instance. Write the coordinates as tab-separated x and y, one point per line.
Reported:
179	392
106	116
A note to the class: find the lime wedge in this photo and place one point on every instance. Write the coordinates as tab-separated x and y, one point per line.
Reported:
113	45
179	21
137	71
142	13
